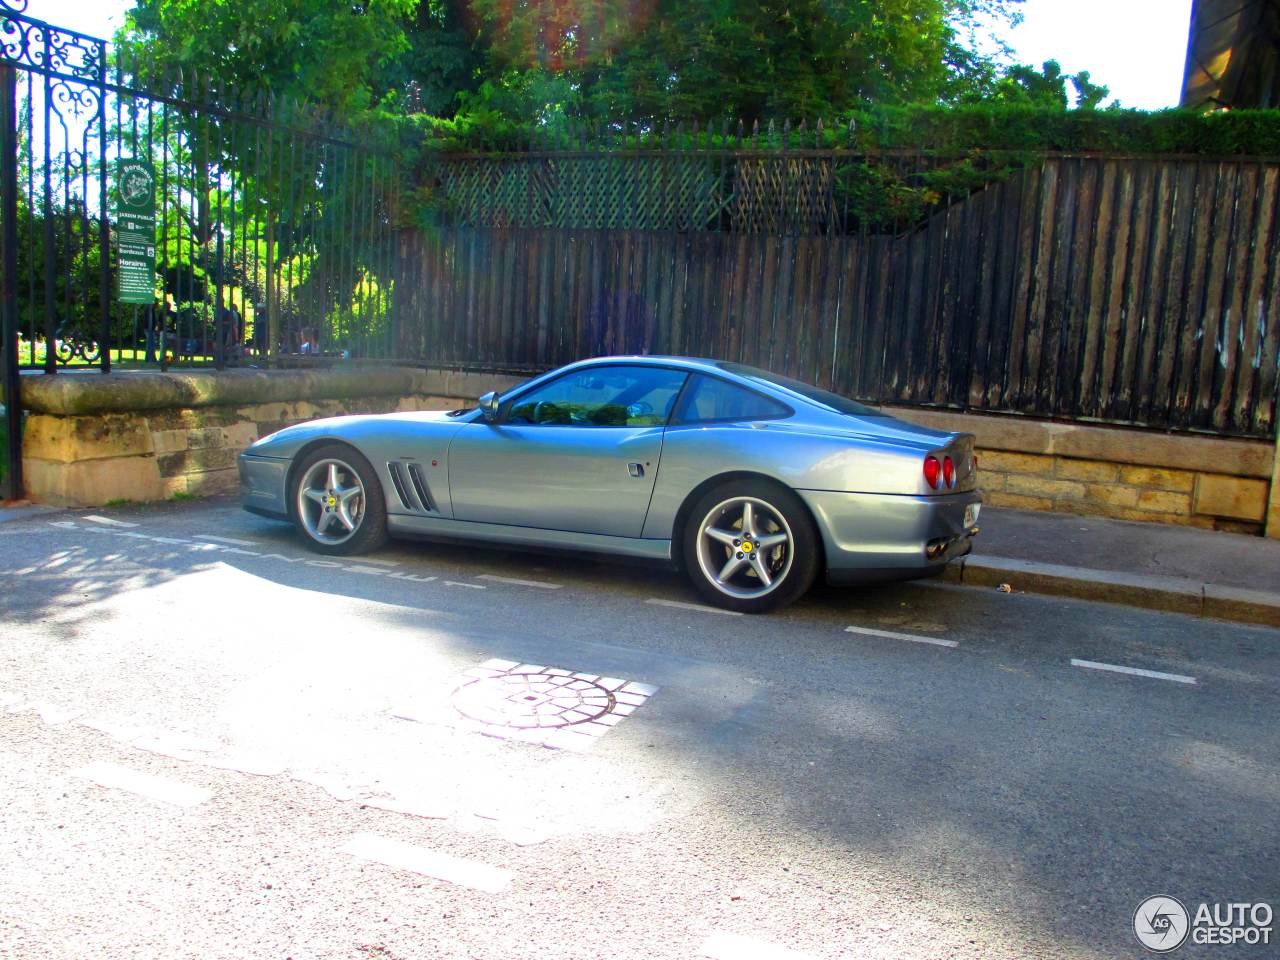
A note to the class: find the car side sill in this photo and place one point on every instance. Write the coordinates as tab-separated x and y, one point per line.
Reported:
402	525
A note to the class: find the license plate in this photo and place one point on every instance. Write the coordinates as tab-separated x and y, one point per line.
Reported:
971	514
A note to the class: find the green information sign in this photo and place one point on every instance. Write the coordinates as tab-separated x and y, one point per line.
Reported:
136	231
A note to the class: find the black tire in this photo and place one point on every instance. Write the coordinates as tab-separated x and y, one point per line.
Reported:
370	531
793	575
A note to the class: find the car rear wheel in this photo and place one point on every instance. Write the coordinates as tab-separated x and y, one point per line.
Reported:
751	546
337	502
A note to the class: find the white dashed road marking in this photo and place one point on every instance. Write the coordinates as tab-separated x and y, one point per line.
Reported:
518	582
107	521
913	638
700	607
1134	671
143	784
732	946
430	863
231	540
455	583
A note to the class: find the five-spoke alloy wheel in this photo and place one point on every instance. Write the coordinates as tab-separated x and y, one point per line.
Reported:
337	501
750	546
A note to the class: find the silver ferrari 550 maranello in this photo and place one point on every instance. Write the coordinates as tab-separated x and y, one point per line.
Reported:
753	483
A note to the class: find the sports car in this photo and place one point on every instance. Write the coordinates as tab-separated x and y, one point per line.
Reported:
754	484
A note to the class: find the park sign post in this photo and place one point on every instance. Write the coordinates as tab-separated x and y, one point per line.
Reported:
136	231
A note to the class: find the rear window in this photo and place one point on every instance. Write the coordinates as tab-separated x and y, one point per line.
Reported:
825	397
708	399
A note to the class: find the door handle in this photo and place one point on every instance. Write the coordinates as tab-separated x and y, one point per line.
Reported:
635	469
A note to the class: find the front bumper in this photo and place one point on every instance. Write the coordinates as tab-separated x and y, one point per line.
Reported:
262	485
872	537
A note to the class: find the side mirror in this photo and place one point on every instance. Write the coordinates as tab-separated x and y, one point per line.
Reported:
488	405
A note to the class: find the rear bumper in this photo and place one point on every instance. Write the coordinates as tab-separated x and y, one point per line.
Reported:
262	486
872	537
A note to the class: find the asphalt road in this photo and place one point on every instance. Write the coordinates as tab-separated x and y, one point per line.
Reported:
215	744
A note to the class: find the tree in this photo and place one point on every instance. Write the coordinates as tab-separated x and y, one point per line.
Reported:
316	51
1046	87
672	60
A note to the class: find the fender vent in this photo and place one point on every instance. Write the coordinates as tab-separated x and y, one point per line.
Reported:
411	486
421	488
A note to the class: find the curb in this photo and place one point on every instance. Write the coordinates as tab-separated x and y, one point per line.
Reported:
1168	594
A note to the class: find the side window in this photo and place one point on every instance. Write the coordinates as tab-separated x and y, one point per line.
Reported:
602	397
711	399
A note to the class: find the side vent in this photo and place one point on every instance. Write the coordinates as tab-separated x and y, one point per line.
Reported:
396	469
411	486
421	488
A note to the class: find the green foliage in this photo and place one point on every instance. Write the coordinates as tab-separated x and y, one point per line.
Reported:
958	130
672	60
314	50
1046	88
1026	127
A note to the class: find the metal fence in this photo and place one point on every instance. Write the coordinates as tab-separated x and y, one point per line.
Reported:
272	223
1101	289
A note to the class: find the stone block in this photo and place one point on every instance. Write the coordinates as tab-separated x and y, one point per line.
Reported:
1162	501
1179	481
1234	497
1018	502
240	435
73	439
1111	494
1024	463
170	441
1045	487
204	484
195	419
1093	471
196	461
92	483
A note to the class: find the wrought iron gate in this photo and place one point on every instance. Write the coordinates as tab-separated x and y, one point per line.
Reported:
269	238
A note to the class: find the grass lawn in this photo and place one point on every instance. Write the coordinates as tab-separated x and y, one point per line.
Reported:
130	356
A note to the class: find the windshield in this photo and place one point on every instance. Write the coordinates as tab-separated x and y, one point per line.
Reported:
816	394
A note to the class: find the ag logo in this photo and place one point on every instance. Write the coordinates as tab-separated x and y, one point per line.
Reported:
1161	924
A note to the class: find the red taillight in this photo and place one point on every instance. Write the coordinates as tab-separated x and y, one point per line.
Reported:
949	472
932	471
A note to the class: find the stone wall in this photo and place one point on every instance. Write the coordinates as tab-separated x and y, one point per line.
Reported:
142	436
1197	481
90	439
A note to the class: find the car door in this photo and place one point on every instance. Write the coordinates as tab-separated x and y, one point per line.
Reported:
577	453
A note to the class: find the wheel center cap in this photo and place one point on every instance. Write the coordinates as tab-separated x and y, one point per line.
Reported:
332	501
747	546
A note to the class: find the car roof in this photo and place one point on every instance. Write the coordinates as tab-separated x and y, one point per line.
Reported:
688	363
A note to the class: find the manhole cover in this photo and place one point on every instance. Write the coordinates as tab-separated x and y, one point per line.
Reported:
528	700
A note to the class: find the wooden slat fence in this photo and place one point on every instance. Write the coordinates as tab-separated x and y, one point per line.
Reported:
1129	291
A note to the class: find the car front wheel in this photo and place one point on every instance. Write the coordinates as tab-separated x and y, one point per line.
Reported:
751	546
337	502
